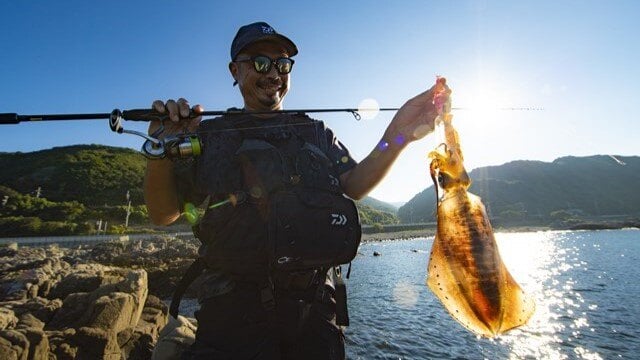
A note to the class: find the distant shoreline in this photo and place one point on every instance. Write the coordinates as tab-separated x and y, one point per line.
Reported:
425	233
381	236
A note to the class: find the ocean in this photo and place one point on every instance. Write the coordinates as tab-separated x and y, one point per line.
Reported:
586	285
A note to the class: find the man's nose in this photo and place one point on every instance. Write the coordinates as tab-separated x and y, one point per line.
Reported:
273	73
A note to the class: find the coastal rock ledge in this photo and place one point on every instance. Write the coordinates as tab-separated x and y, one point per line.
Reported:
53	307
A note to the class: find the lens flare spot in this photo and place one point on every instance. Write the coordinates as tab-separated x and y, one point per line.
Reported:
382	145
368	108
256	192
421	131
405	295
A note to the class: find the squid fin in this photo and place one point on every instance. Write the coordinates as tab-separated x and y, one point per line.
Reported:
521	306
516	306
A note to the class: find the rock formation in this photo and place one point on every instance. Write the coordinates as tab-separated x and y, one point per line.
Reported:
92	302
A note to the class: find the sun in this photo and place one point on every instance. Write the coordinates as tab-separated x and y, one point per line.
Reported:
485	105
482	120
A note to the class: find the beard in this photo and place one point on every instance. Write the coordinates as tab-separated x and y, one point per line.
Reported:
263	93
271	92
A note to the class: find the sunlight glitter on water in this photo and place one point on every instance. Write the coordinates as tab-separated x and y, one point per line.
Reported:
538	263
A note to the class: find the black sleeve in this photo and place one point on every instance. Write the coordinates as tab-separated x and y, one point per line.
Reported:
338	153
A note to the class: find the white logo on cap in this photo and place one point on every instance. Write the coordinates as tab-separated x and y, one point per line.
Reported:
267	30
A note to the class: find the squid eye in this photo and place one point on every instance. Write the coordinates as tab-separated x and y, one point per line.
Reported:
444	180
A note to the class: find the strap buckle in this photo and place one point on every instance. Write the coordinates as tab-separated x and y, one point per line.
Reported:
286	260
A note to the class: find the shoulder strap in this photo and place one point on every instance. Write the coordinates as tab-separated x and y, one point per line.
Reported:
318	127
192	273
342	311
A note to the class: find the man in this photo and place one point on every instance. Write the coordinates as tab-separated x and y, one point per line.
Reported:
268	175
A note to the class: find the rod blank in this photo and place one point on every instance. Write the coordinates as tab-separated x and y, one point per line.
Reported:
150	115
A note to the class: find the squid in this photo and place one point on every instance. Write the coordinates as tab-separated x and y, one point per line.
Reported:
465	270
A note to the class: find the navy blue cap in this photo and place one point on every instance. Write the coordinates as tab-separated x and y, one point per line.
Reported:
259	31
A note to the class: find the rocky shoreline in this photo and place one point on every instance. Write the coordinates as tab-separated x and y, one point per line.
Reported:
93	302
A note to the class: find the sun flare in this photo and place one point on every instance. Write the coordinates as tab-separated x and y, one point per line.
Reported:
484	106
368	108
482	121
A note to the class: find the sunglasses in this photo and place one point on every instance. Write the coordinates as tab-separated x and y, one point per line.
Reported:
262	64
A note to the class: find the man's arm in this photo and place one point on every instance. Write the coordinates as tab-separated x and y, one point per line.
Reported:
413	121
359	181
160	192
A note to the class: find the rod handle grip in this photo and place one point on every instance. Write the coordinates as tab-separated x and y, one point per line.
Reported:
143	115
9	118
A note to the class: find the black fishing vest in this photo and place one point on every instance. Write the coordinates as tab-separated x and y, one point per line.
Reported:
275	197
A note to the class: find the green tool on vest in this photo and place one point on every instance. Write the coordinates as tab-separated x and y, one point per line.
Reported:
191	213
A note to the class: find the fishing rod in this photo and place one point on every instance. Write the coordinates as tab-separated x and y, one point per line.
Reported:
182	145
150	115
174	146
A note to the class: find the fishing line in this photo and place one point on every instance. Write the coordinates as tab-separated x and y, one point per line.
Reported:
354	112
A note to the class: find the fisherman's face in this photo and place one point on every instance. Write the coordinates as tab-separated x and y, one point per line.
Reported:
260	91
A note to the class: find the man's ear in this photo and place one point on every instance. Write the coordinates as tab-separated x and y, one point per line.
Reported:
233	69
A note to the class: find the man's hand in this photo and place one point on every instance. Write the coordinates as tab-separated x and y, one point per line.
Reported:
182	118
159	185
416	117
413	121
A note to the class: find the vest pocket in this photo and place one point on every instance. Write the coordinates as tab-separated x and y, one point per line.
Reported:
315	169
312	229
235	239
263	167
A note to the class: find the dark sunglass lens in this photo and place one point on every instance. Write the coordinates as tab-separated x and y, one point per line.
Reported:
262	64
284	65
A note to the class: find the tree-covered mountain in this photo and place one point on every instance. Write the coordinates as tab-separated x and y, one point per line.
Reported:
90	174
83	183
378	204
96	178
593	186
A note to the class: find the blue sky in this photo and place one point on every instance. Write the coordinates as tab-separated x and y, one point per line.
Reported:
576	59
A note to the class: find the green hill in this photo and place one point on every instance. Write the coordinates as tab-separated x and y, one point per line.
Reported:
373	211
90	174
80	184
378	204
96	178
538	192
